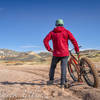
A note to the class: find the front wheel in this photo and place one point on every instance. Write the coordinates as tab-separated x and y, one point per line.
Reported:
89	72
73	69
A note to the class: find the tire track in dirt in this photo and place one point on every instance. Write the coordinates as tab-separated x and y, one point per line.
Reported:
31	72
40	72
77	90
54	91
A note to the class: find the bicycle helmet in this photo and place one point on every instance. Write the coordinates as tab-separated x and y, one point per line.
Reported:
59	22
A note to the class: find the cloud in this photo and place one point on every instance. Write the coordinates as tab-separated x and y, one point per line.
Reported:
1	9
96	48
36	49
30	46
42	50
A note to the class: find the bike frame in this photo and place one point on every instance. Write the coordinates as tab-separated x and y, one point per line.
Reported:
76	61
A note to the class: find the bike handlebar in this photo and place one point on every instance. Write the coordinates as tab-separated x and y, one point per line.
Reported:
73	49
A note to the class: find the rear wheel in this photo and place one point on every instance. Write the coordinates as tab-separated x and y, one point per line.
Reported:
89	72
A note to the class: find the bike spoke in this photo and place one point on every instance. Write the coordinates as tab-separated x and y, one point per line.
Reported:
88	71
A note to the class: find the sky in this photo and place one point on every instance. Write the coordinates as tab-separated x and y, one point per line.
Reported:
25	23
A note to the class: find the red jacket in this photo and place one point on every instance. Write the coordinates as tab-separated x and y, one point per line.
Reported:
60	37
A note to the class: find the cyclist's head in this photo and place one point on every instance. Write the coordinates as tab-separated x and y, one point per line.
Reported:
59	22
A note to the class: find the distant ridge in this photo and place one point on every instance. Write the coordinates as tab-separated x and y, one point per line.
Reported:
89	51
6	54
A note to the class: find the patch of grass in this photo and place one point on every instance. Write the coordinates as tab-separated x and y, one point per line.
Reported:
95	59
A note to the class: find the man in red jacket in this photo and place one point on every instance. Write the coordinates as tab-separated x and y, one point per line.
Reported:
59	36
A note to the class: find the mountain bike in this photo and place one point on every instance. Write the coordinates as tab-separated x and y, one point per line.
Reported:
82	66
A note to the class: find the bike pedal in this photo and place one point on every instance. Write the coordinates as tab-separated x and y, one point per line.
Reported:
80	80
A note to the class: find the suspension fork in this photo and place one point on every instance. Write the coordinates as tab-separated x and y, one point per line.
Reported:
73	61
78	67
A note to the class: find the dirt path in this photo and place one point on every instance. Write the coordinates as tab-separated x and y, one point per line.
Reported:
28	82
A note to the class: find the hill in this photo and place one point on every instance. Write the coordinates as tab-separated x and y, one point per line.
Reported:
11	55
